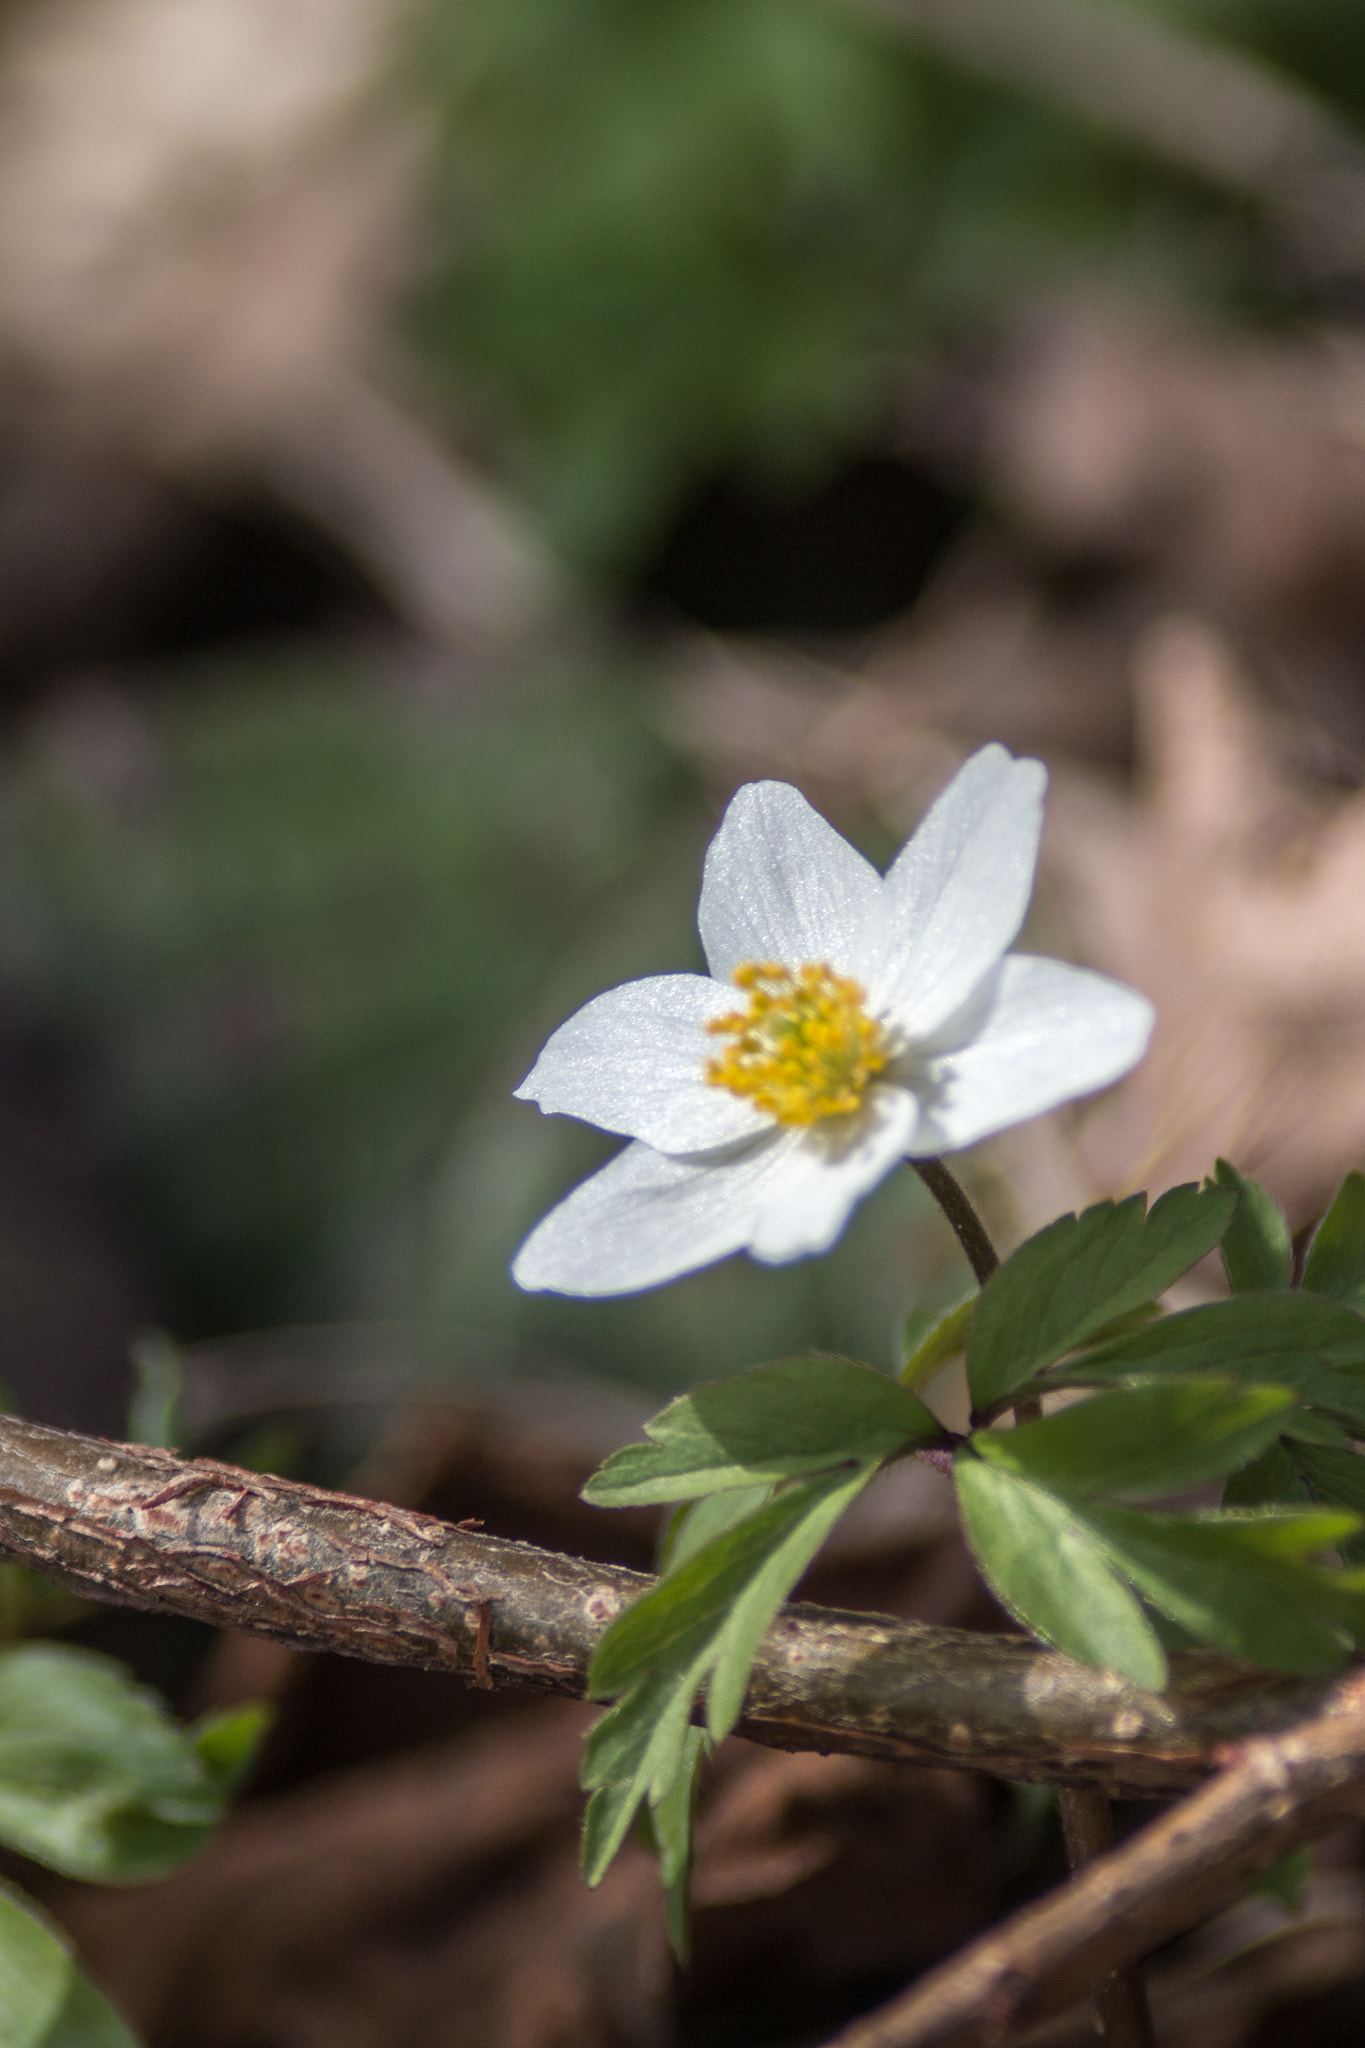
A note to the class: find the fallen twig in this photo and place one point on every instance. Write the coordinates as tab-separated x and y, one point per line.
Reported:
325	1571
1273	1793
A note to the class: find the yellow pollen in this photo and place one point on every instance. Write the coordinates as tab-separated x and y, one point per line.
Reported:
805	1047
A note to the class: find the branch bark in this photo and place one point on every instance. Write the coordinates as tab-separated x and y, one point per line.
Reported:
1274	1794
325	1571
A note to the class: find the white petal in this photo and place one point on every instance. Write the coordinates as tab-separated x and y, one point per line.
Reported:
633	1061
957	893
644	1219
806	1208
780	884
1053	1032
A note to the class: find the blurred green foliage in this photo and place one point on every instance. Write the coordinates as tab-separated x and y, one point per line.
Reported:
310	928
672	236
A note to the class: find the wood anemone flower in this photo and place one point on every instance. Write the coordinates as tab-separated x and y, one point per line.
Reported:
850	1020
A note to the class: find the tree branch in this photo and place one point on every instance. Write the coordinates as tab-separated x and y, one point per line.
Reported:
324	1571
1274	1794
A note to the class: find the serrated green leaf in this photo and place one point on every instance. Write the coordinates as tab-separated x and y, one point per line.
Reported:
1081	1272
1335	1264
751	1612
939	1341
702	1623
96	1780
1291	1338
1053	1574
701	1592
636	1751
1142	1440
795	1416
1239	1581
1257	1250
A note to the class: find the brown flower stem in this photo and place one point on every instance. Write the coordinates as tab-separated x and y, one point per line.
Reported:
1087	1820
948	1191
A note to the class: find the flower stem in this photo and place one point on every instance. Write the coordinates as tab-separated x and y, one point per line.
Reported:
948	1191
1087	1818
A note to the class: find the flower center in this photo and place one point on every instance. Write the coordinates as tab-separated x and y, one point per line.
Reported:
805	1047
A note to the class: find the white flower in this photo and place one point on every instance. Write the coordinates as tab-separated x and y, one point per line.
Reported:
881	1023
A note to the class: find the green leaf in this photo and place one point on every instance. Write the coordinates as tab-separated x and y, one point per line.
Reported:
1335	1264
937	1342
35	1973
670	1831
1272	1479
1285	1337
45	2000
1142	1440
751	1613
635	1752
702	1592
228	1743
1257	1250
159	1385
96	1780
1081	1272
692	1526
1239	1581
1053	1574
703	1621
1335	1475
795	1416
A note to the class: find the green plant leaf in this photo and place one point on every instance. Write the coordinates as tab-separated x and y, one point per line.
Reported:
96	1780
1240	1581
1288	1338
1257	1250
692	1526
752	1611
1273	1479
1081	1272
35	1973
704	1621
939	1340
702	1592
1142	1440
158	1389
1053	1574
636	1751
669	1824
1335	1475
45	2000
228	1743
1335	1264
795	1416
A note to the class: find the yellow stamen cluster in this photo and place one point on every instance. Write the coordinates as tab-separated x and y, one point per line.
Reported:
805	1048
